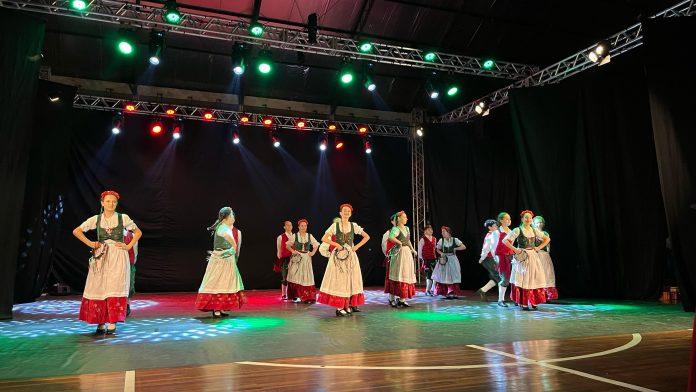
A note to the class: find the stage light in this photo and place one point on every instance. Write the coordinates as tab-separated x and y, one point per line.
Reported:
125	42
78	5
365	46
488	64
125	46
370	85
117	124
346	76
130	107
156	46
338	143
177	128
419	131
156	128
452	91
208	116
54	98
265	63
430	57
362	128
267	121
170	112
434	94
323	143
368	147
482	108
600	53
276	141
312	28
331	126
235	138
171	12
239	58
300	124
256	29
244	119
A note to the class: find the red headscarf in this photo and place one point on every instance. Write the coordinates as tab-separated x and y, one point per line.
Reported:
446	228
302	220
112	193
345	205
526	212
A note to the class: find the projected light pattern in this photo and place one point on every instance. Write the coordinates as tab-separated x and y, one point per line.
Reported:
67	307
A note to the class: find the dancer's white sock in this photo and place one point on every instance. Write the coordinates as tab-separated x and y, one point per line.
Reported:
501	293
488	286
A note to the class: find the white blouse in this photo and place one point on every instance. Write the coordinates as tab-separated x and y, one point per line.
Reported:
91	223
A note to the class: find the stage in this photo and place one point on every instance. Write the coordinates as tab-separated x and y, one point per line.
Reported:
437	344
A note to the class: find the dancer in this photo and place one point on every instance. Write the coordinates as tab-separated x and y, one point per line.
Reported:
488	260
531	285
386	247
447	273
504	257
222	287
283	258
402	276
342	286
300	274
427	255
539	222
133	258
105	298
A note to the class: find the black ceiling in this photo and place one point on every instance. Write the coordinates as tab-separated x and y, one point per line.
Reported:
533	32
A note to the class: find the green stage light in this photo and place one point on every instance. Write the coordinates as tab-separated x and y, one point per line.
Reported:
346	77
452	91
365	46
125	46
430	57
171	13
78	5
256	29
488	64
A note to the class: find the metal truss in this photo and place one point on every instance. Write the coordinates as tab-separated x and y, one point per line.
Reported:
93	102
620	43
418	194
237	29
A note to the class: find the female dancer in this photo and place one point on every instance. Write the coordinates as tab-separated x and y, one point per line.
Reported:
105	299
342	286
222	287
300	274
402	276
386	248
283	259
488	260
531	284
539	222
426	252
447	274
504	257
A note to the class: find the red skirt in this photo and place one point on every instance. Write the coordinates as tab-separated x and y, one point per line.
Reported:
505	266
532	297
110	310
341	302
305	293
386	275
447	289
226	301
401	289
278	265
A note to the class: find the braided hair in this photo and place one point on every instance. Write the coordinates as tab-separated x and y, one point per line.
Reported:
222	215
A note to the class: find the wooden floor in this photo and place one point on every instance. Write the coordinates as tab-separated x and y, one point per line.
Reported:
654	361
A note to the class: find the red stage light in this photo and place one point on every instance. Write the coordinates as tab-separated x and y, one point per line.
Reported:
339	145
267	121
208	115
362	129
300	124
130	107
156	128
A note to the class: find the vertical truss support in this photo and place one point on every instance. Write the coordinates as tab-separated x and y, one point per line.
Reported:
418	196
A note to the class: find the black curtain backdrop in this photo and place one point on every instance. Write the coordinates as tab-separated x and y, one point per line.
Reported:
173	191
585	158
21	39
671	83
43	198
471	176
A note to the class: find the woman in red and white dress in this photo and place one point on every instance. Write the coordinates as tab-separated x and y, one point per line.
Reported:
447	274
504	256
105	298
222	287
402	275
300	278
531	283
342	286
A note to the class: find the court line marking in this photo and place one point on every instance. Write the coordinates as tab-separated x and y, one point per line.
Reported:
635	340
563	369
129	381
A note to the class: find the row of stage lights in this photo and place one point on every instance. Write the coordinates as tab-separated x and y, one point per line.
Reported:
126	45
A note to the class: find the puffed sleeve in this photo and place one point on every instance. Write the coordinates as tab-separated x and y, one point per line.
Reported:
331	230
457	242
128	223
512	235
313	241
357	229
89	224
439	244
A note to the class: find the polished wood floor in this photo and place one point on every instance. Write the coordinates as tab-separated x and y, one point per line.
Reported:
658	362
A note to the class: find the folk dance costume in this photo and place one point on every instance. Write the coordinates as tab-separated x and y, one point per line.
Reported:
426	252
132	257
533	279
342	285
447	274
282	261
300	274
489	262
105	298
386	248
504	258
402	275
222	287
